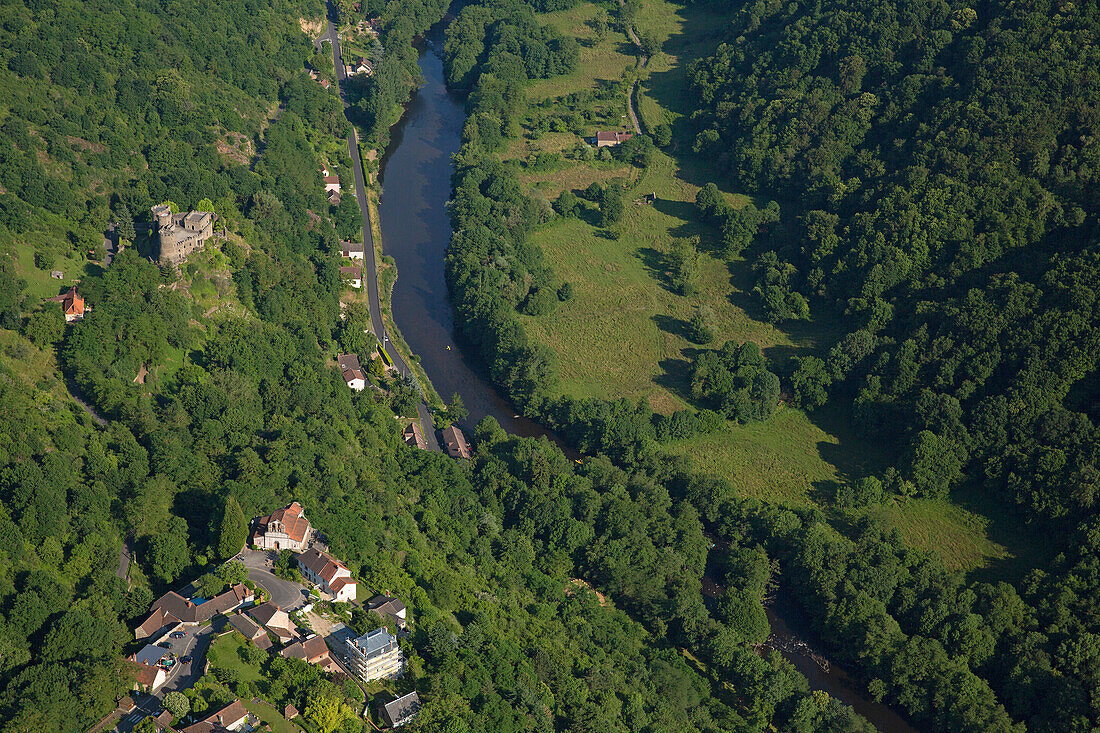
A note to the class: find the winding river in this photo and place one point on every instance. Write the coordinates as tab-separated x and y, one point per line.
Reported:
416	184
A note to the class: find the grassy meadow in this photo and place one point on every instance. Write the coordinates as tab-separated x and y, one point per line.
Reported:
623	333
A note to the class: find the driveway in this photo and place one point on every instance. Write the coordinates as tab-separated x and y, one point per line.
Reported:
285	594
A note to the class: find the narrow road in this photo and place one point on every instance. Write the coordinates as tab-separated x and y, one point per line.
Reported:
630	109
124	557
370	265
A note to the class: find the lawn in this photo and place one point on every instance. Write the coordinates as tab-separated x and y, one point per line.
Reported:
226	652
272	717
958	536
604	60
623	332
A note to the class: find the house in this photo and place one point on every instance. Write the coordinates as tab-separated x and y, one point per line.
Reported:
364	67
172	609
352	250
375	656
334	199
455	442
250	630
72	305
285	529
328	574
149	678
290	712
275	620
353	274
401	711
313	650
233	717
178	235
325	83
605	139
355	379
57	274
348	361
414	435
164	721
390	609
332	183
352	371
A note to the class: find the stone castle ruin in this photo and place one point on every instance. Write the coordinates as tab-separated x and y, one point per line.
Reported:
181	234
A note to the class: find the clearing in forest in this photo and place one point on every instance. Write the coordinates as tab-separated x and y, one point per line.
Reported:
624	332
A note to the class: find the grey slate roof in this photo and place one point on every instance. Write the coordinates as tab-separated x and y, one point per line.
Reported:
375	643
401	709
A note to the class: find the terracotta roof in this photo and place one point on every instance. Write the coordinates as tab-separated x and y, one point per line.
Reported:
332	179
350	374
223	602
311	650
348	361
266	613
293	519
146	674
340	582
414	435
613	137
290	712
73	303
352	270
456	442
157	620
174	605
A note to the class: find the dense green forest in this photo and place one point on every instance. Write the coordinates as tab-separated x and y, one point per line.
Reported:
936	177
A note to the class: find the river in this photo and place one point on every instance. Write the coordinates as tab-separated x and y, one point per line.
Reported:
416	184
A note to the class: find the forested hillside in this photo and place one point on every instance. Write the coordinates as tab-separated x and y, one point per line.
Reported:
942	169
934	168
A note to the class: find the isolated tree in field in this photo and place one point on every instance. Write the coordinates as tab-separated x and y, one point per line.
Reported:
567	203
809	381
177	704
933	464
682	258
233	531
703	329
611	206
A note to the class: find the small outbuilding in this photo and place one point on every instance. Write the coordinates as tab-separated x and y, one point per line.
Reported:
401	711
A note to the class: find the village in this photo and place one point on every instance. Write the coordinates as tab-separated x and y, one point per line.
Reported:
298	615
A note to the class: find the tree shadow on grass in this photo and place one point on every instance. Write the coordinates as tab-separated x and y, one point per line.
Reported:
675	326
824	492
656	265
675	375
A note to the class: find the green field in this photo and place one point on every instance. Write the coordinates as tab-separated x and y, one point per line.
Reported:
225	652
623	332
